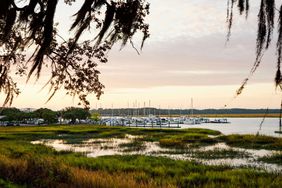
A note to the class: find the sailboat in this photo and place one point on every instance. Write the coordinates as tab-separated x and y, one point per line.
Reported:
191	120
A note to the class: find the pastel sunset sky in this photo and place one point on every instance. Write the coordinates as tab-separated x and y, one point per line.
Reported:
185	57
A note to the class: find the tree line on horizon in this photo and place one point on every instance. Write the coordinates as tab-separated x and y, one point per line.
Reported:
72	113
49	116
156	111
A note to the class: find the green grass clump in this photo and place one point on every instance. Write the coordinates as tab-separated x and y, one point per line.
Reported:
253	141
186	140
199	138
172	142
209	154
77	133
34	171
134	145
219	154
8	184
229	178
274	159
203	131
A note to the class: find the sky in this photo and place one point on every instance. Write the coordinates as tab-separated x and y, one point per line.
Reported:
185	57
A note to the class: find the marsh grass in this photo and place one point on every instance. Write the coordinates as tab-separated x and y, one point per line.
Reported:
274	159
253	141
172	143
79	133
187	140
134	145
26	164
126	171
229	178
49	172
208	154
220	154
8	184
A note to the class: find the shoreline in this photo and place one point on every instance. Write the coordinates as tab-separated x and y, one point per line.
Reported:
230	115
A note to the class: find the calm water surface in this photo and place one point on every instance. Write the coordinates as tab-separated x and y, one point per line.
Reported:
243	126
113	146
102	147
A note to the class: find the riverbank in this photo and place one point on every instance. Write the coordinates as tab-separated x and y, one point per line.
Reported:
255	115
25	164
268	115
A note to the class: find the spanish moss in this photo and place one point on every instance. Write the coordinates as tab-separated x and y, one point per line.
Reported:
266	24
278	77
73	62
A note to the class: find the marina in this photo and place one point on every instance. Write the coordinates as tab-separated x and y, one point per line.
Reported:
155	121
233	125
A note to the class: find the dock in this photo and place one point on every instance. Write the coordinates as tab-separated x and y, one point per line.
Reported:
155	126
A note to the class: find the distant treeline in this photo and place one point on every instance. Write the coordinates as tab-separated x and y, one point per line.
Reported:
155	111
47	115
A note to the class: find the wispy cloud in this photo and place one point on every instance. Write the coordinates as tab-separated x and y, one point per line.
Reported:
187	49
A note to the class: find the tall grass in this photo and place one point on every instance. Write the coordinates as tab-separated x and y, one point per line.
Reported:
154	172
275	158
253	141
25	164
48	172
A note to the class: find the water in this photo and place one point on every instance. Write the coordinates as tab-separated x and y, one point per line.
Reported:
103	147
243	126
236	126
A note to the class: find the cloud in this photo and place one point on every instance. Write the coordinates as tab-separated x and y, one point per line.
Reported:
185	61
186	53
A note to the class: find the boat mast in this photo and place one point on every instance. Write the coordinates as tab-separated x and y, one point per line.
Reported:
144	110
149	107
192	107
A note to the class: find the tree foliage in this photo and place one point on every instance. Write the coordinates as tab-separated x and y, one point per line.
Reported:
73	114
72	62
48	115
11	114
14	114
96	116
267	14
